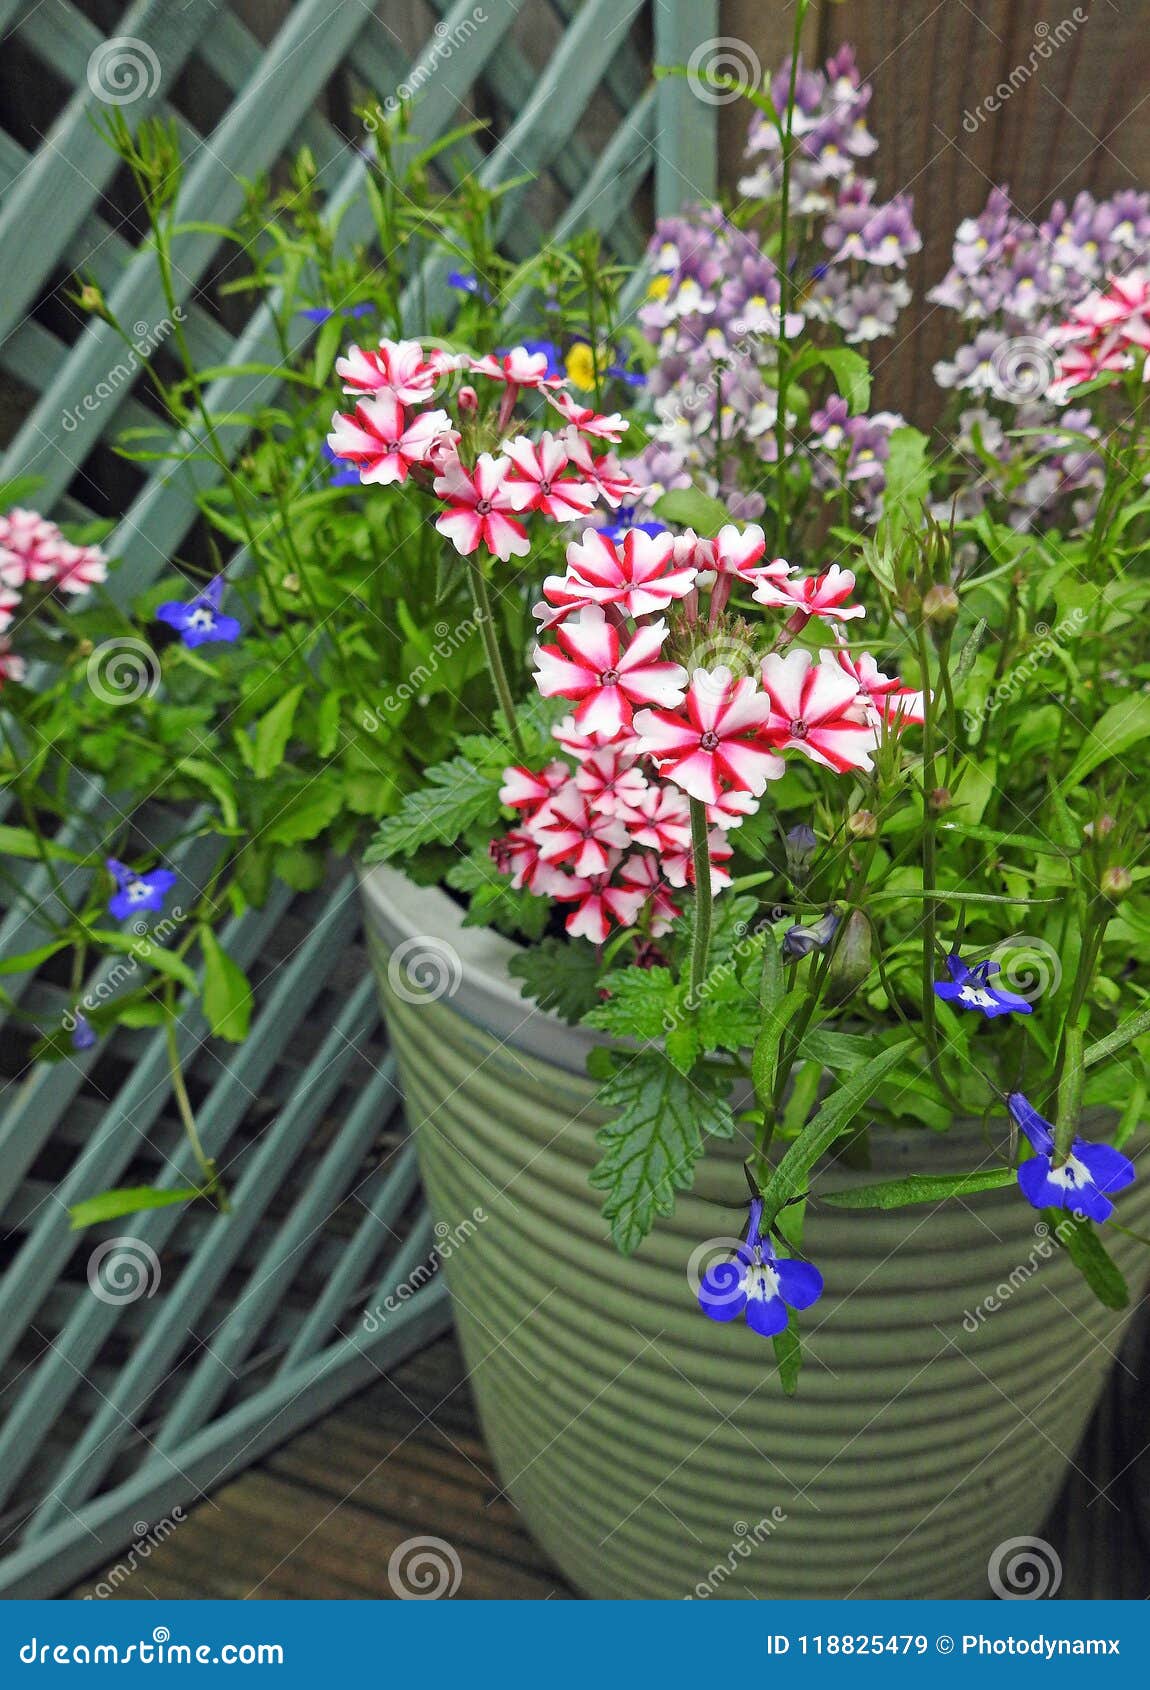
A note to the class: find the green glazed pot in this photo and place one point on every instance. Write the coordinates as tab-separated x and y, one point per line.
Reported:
951	1366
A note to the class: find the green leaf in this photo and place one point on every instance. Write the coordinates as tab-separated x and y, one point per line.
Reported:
304	816
21	842
907	483
851	373
642	1003
273	731
765	1055
28	960
1120	727
919	1188
689	507
1130	1030
227	994
457	796
127	1200
816	1138
560	975
149	953
218	782
788	1347
656	1136
1089	1255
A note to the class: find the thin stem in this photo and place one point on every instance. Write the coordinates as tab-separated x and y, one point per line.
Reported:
494	655
704	897
212	1186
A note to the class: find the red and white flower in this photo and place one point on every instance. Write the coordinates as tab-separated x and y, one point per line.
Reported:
717	742
398	369
662	820
12	666
540	465
589	421
814	709
611	781
739	553
518	368
605	474
79	568
8	603
731	809
885	697
598	903
641	871
481	507
816	595
570	831
517	854
637	575
580	744
1107	331
30	548
524	789
589	664
380	442
679	866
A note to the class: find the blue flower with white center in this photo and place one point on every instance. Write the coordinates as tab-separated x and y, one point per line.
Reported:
198	622
970	988
624	522
467	282
83	1033
1083	1183
348	476
137	892
758	1283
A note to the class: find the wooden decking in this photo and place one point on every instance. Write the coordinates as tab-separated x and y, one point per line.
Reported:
322	1516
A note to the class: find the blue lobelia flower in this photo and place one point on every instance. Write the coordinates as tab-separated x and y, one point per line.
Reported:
198	622
625	521
324	313
467	282
136	892
758	1283
970	988
1084	1181
555	364
346	476
83	1033
801	941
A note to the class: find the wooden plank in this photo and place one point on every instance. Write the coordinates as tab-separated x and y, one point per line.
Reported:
687	128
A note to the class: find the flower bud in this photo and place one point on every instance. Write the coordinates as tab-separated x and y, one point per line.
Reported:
940	799
467	399
863	824
91	299
1116	881
800	845
940	603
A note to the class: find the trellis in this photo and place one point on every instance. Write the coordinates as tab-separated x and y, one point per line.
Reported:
115	1414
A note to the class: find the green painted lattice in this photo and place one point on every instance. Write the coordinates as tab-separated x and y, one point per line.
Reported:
113	1414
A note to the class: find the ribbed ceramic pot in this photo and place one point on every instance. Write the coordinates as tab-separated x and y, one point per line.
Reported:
951	1366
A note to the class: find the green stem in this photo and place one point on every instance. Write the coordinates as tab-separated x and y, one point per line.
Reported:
212	1185
499	680
704	897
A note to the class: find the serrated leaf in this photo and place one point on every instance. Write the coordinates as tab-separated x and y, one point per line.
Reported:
227	994
457	796
817	1137
304	816
641	1003
656	1136
560	975
919	1188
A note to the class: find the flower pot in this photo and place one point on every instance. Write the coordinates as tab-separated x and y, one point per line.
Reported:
950	1368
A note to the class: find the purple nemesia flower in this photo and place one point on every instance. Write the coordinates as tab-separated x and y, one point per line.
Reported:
1083	1183
136	892
83	1033
198	621
970	988
758	1283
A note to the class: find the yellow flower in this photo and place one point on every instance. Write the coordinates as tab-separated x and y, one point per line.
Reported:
581	367
660	287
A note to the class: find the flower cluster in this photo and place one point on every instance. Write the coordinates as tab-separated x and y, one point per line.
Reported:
34	553
713	312
1016	284
1107	331
396	431
610	830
